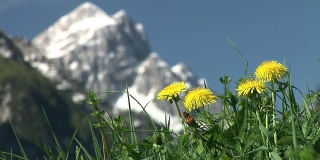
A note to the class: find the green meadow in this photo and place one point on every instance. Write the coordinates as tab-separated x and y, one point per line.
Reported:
260	119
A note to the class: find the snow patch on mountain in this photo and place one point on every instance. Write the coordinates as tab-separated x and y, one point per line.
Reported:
50	71
185	74
5	53
6	98
78	97
182	71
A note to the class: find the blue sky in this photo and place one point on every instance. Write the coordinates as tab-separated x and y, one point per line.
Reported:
196	32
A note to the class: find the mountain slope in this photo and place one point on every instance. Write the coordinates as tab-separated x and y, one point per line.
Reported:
23	93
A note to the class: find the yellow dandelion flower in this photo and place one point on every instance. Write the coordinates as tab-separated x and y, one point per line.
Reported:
172	91
199	97
271	71
248	87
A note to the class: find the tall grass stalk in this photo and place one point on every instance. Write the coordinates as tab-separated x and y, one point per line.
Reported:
95	101
132	126
20	146
293	112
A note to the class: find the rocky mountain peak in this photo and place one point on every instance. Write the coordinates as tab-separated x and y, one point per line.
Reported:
184	73
121	16
98	50
88	9
79	25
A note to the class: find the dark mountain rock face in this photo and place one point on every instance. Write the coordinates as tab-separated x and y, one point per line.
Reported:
8	49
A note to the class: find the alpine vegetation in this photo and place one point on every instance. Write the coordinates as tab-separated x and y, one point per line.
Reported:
260	119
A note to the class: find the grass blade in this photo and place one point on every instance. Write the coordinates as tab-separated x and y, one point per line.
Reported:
132	127
17	138
59	148
236	48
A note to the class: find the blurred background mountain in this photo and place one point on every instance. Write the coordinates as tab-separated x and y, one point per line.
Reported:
23	93
84	50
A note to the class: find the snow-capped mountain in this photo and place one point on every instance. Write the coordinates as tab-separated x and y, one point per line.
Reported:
95	48
111	53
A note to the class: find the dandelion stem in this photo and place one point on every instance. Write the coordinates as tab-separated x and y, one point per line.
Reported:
177	106
260	124
274	122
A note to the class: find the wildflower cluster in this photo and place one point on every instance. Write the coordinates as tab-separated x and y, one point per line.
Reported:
195	98
268	71
242	118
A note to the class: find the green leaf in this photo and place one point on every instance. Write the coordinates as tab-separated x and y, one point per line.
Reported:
258	149
200	148
224	157
264	130
95	113
275	155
